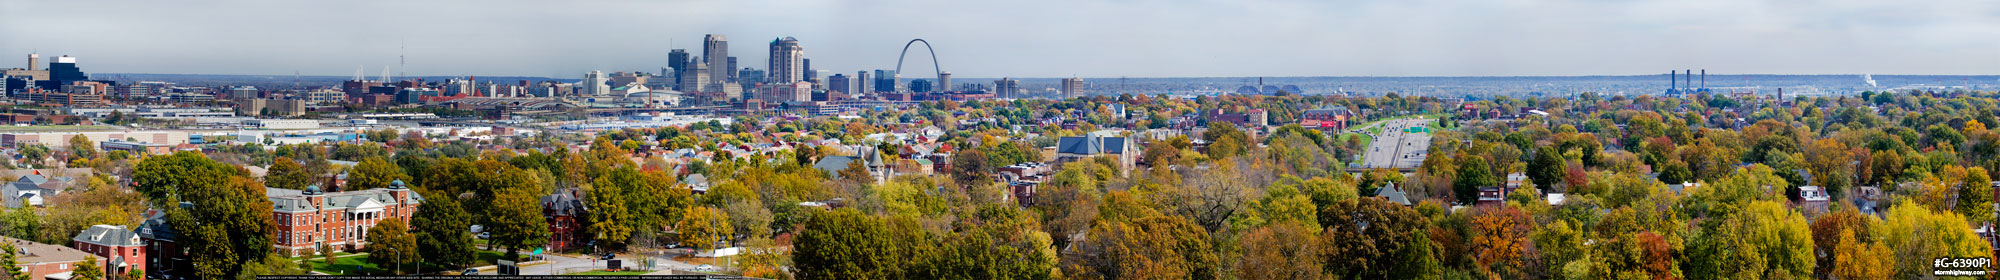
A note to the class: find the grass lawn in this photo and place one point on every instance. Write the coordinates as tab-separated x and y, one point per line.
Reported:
486	258
1365	139
602	272
357	265
11	128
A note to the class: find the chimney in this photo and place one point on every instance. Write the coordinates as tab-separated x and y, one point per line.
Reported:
1690	77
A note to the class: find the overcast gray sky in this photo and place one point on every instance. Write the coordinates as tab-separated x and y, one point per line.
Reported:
1020	38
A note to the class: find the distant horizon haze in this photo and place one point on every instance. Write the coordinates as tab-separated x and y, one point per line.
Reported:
1028	38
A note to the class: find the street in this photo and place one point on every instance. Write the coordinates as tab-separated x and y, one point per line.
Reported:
1396	148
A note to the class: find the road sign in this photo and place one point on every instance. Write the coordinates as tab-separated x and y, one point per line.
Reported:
538	251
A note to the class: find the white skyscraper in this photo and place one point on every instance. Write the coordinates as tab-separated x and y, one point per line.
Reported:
594	84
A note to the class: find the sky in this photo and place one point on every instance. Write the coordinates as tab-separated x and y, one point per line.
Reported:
1018	38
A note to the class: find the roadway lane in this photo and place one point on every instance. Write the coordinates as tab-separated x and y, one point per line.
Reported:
1394	147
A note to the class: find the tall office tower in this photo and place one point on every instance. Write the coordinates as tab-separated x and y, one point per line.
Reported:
1072	87
715	51
733	75
34	58
837	83
944	81
861	82
1007	88
594	84
678	60
694	78
62	71
787	61
885	81
920	86
810	76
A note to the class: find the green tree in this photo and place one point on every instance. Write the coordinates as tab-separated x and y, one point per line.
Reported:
82	147
845	244
610	220
286	173
970	167
441	229
515	213
705	228
1917	234
374	173
390	243
1547	168
231	224
8	259
1975	195
1472	174
88	269
1371	238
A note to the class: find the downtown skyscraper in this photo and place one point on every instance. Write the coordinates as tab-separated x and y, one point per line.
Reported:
787	64
721	67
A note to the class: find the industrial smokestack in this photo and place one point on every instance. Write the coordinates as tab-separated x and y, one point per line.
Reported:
1704	78
1690	77
1673	80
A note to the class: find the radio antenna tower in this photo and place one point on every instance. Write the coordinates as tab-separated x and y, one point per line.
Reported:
402	49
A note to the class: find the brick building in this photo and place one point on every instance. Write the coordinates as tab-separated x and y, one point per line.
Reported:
44	261
120	249
308	218
563	210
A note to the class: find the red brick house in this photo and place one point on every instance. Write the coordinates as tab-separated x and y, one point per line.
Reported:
308	218
120	249
44	261
564	209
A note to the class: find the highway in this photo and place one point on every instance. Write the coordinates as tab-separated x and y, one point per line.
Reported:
1395	148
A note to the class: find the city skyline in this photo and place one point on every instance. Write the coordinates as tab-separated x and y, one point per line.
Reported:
1022	39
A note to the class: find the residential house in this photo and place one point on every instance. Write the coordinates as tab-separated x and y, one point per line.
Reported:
868	157
1392	193
308	218
1121	150
44	261
564	210
120	249
164	258
31	189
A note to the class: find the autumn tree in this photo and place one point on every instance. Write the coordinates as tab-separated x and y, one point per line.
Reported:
1916	233
1500	241
1975	195
1273	252
845	244
374	173
390	243
705	228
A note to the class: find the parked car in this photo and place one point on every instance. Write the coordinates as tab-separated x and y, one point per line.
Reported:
469	271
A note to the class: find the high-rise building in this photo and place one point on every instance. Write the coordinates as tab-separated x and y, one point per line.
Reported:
733	75
920	85
62	71
1007	88
885	81
838	83
34	58
810	75
594	84
694	79
862	84
678	61
944	81
787	63
721	69
1072	87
